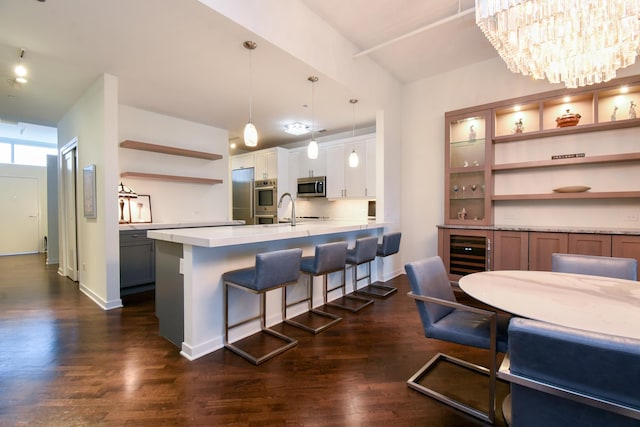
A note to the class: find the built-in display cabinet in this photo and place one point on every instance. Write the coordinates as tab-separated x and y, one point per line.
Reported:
556	160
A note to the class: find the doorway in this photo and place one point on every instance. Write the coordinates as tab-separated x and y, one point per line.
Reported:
19	215
68	168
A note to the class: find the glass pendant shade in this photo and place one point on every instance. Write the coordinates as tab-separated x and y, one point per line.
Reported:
20	70
312	149
577	42
250	135
353	159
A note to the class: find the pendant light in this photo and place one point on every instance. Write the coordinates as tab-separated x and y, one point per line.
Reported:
20	70
312	149
353	157
250	131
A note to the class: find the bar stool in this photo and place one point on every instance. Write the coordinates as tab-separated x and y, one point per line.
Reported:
390	245
328	258
272	270
363	252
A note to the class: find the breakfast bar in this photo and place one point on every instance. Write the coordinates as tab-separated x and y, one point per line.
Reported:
190	263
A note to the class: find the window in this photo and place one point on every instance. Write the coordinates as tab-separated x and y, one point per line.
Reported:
31	155
27	144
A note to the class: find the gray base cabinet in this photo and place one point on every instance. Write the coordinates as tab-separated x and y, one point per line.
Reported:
137	262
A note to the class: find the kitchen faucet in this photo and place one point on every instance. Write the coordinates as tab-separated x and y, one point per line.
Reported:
293	207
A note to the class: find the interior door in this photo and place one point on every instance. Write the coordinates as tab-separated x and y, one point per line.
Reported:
19	215
69	236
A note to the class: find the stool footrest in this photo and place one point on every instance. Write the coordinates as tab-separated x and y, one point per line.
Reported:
290	342
314	329
377	290
346	306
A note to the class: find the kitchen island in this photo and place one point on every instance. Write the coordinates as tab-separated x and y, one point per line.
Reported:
191	261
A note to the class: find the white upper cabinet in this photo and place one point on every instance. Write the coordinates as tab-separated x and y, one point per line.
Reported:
312	167
335	172
242	161
370	167
345	182
266	164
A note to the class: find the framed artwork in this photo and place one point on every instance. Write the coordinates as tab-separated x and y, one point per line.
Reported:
89	191
140	209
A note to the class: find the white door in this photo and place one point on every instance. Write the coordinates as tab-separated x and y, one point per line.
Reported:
19	201
70	247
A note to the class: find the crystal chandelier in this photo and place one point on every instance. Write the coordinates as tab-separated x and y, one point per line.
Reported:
578	42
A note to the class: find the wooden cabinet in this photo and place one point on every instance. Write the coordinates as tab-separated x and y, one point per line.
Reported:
137	262
510	250
590	244
623	246
542	245
467	168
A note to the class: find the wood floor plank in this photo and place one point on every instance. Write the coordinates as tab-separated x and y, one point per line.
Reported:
66	362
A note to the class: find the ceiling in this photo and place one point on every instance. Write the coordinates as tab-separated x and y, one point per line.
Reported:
182	59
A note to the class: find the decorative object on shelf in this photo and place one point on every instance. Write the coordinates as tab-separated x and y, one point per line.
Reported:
472	132
250	131
572	189
125	194
353	157
455	191
312	149
613	114
462	214
632	110
89	191
519	126
583	53
141	209
568	119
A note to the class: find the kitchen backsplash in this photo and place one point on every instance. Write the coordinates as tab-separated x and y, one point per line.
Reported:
336	209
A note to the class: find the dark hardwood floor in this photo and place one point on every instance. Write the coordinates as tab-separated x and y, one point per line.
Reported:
66	362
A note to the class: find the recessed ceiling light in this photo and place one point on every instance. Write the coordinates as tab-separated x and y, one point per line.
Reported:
296	128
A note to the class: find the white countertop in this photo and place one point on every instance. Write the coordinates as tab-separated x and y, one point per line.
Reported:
211	237
159	226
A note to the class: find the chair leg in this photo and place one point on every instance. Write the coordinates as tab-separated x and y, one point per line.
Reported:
347	297
374	290
489	416
309	300
256	359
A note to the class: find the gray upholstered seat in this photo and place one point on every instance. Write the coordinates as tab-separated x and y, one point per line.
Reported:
562	376
445	319
621	268
390	245
328	258
272	270
363	252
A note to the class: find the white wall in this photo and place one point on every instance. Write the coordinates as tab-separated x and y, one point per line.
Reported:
176	202
424	105
93	120
40	174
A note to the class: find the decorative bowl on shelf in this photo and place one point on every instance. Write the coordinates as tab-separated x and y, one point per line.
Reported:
568	119
572	189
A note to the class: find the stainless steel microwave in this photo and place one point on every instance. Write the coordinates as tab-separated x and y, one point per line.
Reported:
312	186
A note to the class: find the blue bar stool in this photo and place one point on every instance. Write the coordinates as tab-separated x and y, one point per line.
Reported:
363	252
390	245
272	270
328	258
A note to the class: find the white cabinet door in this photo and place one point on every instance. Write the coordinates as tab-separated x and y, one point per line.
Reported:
313	167
335	172
354	178
242	161
266	165
370	168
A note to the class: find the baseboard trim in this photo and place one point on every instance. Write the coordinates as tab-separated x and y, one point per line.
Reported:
105	305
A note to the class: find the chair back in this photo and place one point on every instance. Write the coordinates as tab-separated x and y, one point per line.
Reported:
277	268
621	268
428	277
364	251
330	257
390	244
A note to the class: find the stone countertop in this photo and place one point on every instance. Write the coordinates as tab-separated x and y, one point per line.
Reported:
210	237
160	226
546	229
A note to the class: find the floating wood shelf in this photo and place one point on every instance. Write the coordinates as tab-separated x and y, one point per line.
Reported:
612	158
144	146
173	178
563	196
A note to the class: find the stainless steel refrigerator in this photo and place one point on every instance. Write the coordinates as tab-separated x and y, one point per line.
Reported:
242	194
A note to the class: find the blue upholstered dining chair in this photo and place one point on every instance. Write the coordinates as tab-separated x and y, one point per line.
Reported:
272	270
621	268
445	319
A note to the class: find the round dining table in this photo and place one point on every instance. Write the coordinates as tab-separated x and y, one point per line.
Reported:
591	303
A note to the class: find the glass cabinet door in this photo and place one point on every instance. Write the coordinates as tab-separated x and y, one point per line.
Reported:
467	168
